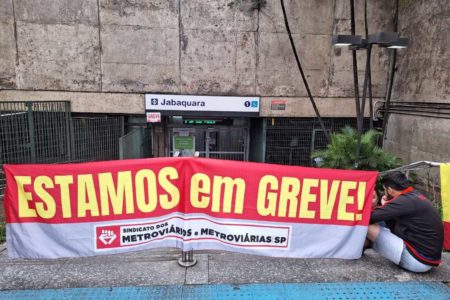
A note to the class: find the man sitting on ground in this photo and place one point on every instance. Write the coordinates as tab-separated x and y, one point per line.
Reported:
414	234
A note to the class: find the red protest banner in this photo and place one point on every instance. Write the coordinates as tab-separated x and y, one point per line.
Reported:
186	199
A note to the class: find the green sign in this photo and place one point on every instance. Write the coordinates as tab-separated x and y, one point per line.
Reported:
209	122
200	122
184	143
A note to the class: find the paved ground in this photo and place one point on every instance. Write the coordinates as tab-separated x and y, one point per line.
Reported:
291	291
160	267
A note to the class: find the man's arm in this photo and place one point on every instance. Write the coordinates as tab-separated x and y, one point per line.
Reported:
391	210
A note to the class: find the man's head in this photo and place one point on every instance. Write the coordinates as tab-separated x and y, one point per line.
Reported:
394	182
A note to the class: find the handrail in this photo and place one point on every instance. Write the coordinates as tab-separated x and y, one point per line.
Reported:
418	164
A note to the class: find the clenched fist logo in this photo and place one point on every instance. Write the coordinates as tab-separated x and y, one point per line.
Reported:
107	237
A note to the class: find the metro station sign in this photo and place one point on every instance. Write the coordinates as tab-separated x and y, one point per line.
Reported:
198	105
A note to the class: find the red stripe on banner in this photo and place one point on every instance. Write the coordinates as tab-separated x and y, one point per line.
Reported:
143	188
446	235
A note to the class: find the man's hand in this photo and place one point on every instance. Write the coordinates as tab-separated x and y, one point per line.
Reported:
384	199
374	200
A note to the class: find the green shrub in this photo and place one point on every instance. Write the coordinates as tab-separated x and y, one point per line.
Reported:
341	152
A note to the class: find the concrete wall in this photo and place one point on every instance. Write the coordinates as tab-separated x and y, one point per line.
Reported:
87	50
422	76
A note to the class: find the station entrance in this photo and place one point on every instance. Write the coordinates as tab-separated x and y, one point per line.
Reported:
220	138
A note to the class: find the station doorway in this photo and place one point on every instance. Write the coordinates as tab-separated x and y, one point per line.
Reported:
220	138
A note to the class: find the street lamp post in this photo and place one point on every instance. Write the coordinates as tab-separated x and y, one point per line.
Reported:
390	40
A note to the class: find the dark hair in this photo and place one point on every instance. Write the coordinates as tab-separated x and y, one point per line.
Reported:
396	180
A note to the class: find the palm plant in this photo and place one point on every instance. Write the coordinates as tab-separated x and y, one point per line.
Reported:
340	153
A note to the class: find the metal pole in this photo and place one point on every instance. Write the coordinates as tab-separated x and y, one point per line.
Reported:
366	27
69	135
355	63
391	79
187	257
31	131
414	165
363	104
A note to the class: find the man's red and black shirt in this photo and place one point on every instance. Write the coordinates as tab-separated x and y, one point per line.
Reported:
412	217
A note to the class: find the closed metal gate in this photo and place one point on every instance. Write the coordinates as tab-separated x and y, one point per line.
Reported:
44	132
96	139
291	141
220	142
33	132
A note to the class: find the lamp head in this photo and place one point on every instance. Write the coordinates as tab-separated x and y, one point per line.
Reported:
382	38
402	43
362	45
346	40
